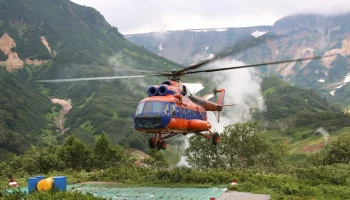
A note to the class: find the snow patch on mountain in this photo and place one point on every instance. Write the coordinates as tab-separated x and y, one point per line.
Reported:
258	33
340	83
210	29
211	56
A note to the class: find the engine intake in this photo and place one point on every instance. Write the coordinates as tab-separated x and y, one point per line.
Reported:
166	83
163	90
152	91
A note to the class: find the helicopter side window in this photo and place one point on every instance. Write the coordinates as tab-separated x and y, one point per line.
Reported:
140	108
166	109
189	114
178	111
172	109
183	113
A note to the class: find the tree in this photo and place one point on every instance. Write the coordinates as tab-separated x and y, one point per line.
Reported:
74	153
241	146
338	151
105	154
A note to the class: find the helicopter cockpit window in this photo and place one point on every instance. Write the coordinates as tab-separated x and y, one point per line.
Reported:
140	108
148	107
154	107
158	107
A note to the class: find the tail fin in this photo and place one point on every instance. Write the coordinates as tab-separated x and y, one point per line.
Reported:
220	101
222	96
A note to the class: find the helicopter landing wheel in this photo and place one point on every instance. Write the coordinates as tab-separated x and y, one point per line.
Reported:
161	145
151	143
216	138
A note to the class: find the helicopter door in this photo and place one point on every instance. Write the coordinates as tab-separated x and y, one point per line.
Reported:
184	121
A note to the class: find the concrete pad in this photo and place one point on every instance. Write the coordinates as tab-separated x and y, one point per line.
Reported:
232	195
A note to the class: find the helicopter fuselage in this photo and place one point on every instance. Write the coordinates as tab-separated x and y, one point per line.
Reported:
164	114
169	109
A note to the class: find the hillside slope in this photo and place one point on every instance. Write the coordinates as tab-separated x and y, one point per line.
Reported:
23	114
52	39
288	106
300	118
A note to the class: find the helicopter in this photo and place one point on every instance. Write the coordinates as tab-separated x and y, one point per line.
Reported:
170	109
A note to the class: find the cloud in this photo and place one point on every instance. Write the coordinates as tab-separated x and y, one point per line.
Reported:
158	15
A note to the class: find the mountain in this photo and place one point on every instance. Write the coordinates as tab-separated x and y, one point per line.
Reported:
300	118
53	39
24	114
186	46
299	36
299	107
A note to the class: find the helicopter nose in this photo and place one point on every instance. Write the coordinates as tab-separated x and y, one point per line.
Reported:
151	121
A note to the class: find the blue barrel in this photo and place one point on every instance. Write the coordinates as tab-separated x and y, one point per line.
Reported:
39	177
60	182
32	182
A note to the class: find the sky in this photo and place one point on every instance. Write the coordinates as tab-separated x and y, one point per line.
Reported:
140	16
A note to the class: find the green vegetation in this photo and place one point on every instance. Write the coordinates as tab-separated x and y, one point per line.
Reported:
18	194
3	56
106	162
289	106
22	115
241	146
293	117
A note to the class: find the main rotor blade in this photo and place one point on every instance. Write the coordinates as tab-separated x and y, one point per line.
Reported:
261	64
134	70
96	78
242	45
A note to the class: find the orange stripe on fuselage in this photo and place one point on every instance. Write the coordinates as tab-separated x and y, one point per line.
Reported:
180	125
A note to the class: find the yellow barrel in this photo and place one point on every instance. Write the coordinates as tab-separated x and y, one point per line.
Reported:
45	184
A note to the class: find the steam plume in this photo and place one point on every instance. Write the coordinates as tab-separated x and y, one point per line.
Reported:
243	88
324	133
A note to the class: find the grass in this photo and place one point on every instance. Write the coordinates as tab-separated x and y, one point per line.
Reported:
271	90
87	126
44	91
301	142
88	100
